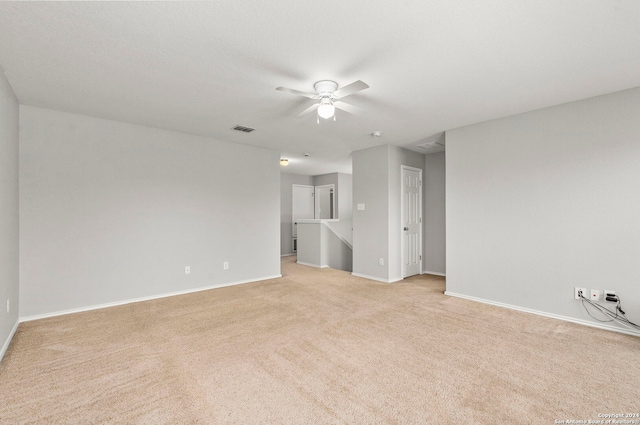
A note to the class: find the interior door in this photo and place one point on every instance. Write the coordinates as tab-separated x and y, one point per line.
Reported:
303	204
411	221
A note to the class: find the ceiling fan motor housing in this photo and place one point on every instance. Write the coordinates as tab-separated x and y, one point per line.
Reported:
325	87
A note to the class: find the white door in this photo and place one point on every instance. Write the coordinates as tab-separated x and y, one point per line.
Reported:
411	212
303	204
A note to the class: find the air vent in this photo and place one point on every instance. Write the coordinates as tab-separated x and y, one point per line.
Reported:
243	128
430	145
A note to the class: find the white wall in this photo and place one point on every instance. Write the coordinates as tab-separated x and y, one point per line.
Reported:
544	201
9	224
111	212
286	208
434	241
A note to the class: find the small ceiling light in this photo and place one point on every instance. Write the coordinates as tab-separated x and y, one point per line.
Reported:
326	108
284	162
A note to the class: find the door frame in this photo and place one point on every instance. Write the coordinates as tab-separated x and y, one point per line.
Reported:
420	227
332	188
293	204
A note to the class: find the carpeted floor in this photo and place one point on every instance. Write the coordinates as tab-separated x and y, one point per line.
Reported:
315	347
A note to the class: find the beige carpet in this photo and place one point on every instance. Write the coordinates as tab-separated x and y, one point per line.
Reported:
315	347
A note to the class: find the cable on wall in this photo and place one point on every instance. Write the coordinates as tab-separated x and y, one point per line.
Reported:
618	315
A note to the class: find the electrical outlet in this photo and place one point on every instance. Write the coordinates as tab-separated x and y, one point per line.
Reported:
225	265
609	293
595	295
187	269
381	261
585	292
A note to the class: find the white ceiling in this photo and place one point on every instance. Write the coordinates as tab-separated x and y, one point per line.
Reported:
204	67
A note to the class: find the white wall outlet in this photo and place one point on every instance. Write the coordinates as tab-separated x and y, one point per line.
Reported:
8	305
608	292
225	265
187	269
381	261
595	295
585	292
360	207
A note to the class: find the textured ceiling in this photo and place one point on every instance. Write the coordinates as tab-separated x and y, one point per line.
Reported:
204	67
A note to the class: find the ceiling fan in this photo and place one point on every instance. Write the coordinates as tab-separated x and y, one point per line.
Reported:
330	97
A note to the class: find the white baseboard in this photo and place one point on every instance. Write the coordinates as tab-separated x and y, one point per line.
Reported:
312	265
5	346
434	273
379	279
137	300
288	255
545	314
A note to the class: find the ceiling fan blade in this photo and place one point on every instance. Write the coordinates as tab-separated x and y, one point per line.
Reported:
348	108
350	89
308	110
299	93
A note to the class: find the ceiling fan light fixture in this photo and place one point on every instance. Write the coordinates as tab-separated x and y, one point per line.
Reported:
327	93
326	108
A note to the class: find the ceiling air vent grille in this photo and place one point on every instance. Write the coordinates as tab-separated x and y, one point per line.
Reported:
430	145
243	128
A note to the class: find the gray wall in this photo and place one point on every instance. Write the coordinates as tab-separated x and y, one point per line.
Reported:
336	253
286	208
343	199
371	226
434	241
377	231
9	224
397	158
319	246
310	247
544	201
325	179
111	212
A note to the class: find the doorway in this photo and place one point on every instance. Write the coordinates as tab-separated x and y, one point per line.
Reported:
325	202
303	206
411	217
